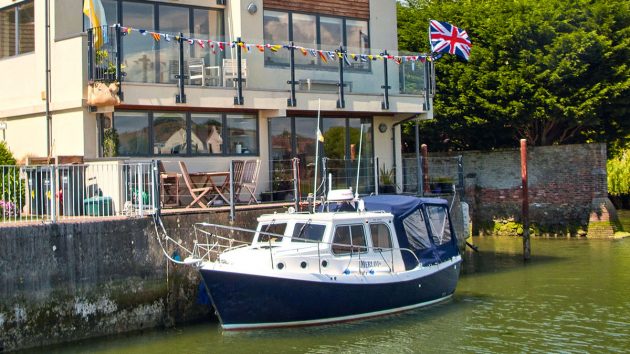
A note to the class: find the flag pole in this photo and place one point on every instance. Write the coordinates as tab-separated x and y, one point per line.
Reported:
317	135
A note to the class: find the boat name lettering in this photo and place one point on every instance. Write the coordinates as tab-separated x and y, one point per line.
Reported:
370	264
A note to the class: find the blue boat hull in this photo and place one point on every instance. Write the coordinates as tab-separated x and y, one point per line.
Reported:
247	301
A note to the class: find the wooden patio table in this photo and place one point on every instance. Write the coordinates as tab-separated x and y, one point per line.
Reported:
209	179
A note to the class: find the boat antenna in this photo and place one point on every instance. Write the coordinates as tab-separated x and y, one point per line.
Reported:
319	138
356	190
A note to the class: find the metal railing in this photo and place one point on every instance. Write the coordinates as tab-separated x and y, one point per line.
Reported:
185	189
209	244
191	59
284	182
52	193
342	173
438	175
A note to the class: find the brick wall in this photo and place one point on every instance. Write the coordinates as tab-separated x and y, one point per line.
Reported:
563	183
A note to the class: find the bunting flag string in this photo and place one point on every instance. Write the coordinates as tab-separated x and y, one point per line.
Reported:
324	55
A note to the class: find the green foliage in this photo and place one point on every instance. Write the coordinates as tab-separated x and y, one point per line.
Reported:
110	143
386	176
552	71
6	157
619	174
11	187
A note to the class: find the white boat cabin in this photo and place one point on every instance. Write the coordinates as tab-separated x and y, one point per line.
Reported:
326	243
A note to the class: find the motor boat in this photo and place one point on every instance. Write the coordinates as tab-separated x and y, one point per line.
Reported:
350	260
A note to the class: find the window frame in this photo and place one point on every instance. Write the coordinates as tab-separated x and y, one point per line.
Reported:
297	227
352	249
120	16
437	239
389	237
319	65
16	28
188	123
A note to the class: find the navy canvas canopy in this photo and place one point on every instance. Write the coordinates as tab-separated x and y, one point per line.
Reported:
402	206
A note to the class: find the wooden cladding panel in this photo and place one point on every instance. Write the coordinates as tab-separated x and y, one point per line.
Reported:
346	8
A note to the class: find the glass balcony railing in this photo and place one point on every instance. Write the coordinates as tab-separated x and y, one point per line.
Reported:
138	55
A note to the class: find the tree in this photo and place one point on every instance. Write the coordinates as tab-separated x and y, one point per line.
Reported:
618	169
553	71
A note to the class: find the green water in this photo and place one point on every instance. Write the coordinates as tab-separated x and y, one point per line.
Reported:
573	296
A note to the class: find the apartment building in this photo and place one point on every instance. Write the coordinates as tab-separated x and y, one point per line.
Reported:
184	98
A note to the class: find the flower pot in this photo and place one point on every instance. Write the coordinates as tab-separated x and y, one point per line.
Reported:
386	189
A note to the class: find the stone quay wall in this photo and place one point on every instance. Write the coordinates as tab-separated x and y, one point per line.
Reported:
70	281
567	189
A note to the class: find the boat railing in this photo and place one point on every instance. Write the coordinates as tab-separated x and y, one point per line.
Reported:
210	244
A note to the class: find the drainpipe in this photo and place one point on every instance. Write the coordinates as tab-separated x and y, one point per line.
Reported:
47	54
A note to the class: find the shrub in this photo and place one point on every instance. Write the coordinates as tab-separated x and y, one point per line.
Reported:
618	169
11	186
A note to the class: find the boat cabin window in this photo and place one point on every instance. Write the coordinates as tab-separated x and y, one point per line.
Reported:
305	232
277	229
439	223
416	230
349	239
381	236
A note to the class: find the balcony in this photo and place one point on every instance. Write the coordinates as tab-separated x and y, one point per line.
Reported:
193	70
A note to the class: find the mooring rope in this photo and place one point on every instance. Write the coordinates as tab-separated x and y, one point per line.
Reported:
157	220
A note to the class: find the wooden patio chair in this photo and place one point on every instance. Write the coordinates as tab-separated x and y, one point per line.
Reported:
199	194
248	181
237	172
230	72
169	187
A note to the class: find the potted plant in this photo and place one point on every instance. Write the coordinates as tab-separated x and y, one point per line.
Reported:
386	185
442	185
110	143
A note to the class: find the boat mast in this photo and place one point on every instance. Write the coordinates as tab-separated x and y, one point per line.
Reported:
319	138
356	191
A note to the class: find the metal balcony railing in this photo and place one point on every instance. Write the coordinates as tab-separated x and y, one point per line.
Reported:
186	60
50	193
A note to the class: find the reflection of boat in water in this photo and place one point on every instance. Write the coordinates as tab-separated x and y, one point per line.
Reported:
395	253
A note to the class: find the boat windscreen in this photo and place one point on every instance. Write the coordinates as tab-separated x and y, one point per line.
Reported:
304	232
416	230
440	226
277	229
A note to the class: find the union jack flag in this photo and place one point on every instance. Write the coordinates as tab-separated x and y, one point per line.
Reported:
446	38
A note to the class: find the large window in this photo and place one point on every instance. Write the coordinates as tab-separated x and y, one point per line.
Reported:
205	132
296	137
172	19
139	53
169	134
17	29
276	31
157	61
316	32
132	131
242	134
305	35
179	133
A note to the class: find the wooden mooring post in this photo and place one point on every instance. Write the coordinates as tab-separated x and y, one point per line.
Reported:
525	211
424	150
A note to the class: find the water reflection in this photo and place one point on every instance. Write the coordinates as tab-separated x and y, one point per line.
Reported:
570	298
